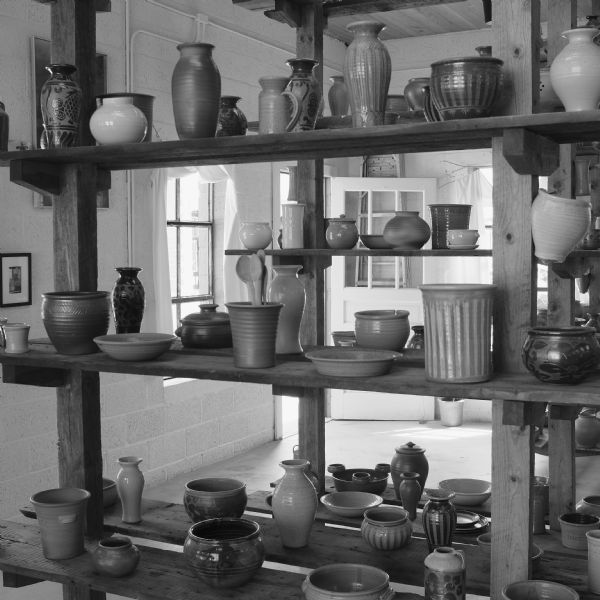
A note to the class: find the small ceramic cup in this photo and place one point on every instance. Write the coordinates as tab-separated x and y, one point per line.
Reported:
16	336
462	237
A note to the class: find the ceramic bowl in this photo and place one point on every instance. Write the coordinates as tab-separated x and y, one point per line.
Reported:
382	329
109	492
538	589
375	242
589	505
484	541
214	497
573	527
352	362
468	492
135	346
344	480
350	504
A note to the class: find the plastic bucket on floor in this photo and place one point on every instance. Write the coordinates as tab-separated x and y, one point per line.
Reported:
61	517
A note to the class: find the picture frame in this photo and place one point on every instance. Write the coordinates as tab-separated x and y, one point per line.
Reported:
15	279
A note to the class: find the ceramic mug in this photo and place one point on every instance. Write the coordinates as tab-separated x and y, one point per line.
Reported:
15	337
462	237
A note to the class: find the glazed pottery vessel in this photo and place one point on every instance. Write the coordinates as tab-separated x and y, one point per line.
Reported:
145	102
60	104
294	504
341	233
593	560
409	458
255	235
224	553
386	527
573	527
575	71
208	328
561	354
339	102
115	556
410	492
304	92
367	73
383	329
196	91
549	590
286	289
558	225
274	108
445	574
130	485
445	217
589	505
414	92
458	331
549	101
231	121
417	341
61	514
292	220
346	480
118	121
128	300
439	518
214	497
407	230
16	337
587	428
73	319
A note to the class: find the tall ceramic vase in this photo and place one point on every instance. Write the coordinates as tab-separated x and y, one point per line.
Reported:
130	485
273	106
128	300
304	92
439	518
196	91
60	104
575	71
286	289
294	504
367	73
339	102
410	492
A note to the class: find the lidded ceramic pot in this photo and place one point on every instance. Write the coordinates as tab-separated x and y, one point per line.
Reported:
208	328
409	458
383	329
341	233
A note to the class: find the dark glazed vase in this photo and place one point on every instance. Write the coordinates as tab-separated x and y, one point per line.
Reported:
304	92
367	73
339	102
409	458
232	120
439	518
414	93
60	104
128	300
410	492
196	92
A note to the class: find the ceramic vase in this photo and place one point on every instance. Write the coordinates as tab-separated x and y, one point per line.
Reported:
407	230
128	300
130	485
575	71
118	121
410	492
445	217
304	92
274	107
4	123
60	104
294	504
285	288
558	225
196	91
339	102
409	458
414	93
115	556
439	518
367	73
587	428
231	121
445	574
417	341
145	102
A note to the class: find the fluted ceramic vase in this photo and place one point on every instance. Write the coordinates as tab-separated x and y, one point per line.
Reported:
439	518
294	504
367	73
287	289
339	102
130	485
196	91
128	300
575	71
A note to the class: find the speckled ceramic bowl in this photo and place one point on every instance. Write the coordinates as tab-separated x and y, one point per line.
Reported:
214	497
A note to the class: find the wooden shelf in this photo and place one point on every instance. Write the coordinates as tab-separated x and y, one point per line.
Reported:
364	252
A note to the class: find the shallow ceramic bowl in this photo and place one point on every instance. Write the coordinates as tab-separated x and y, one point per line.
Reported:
376	484
350	504
135	346
214	497
352	362
468	492
109	492
374	242
538	590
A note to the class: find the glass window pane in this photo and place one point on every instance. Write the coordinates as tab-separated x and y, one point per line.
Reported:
195	261
194	199
172	246
171	197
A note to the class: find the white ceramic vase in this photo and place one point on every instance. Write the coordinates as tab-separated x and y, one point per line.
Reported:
118	121
558	225
575	72
130	485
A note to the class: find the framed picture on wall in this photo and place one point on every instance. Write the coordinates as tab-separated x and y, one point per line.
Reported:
15	279
40	54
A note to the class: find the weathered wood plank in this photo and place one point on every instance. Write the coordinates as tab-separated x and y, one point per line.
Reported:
530	154
40	377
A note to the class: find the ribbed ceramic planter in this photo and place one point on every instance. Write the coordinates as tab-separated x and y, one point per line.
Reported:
386	527
458	330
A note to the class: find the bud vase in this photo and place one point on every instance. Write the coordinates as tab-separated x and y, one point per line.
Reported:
294	504
286	289
439	518
367	73
128	300
445	574
60	104
410	492
130	485
232	121
339	102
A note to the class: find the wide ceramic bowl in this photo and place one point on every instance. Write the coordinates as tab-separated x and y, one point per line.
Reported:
468	492
352	362
374	242
538	590
135	346
350	504
214	497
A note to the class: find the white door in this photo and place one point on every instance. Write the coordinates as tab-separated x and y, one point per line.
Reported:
361	283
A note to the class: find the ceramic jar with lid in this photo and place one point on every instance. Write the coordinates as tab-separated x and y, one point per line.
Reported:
409	457
341	233
207	329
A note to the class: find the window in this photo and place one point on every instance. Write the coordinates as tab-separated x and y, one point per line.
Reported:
190	241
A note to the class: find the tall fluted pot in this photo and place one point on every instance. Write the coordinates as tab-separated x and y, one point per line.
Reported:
367	73
439	518
128	300
294	504
60	104
196	91
130	485
287	289
445	574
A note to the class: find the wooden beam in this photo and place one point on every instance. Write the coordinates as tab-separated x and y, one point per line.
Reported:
40	377
285	11
14	580
530	154
99	5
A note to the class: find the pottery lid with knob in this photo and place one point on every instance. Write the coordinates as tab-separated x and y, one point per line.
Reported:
208	315
410	448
